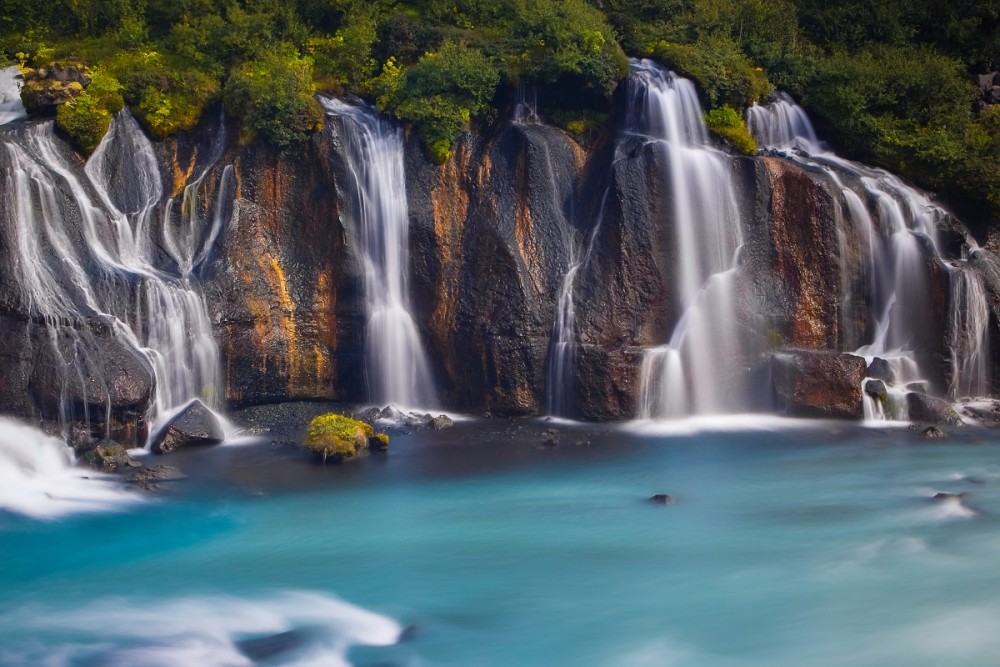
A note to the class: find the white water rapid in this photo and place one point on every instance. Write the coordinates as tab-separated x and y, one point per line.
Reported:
38	478
396	366
11	108
692	373
897	227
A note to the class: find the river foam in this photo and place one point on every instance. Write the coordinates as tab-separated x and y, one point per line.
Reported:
38	477
286	628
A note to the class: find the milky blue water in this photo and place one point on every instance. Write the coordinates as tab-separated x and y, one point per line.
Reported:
782	548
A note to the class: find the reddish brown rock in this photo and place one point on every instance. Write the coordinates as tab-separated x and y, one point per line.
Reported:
818	384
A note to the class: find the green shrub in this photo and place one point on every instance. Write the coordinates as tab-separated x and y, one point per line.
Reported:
86	118
722	72
440	94
273	98
344	59
340	437
165	96
567	45
727	123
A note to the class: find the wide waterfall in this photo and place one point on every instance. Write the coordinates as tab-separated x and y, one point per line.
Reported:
396	366
897	226
86	247
694	372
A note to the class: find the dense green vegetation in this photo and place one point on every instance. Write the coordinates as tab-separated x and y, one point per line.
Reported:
888	82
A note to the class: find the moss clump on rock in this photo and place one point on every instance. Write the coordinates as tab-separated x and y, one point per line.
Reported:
86	118
728	124
339	437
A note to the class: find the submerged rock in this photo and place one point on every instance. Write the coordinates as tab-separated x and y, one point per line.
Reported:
934	433
194	426
550	437
146	478
931	410
108	456
661	499
942	496
264	648
819	384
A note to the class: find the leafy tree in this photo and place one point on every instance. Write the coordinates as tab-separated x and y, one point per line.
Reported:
273	97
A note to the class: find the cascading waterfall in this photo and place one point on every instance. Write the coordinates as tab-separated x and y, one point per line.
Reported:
101	226
694	373
896	266
396	365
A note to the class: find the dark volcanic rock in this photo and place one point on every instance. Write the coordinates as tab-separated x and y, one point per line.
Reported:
819	384
661	499
442	422
194	426
146	478
264	648
942	496
550	437
108	456
491	237
879	369
934	433
876	389
931	410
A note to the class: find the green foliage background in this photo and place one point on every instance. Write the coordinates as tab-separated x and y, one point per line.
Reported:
887	82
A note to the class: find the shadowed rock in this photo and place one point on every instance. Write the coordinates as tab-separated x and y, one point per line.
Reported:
265	648
931	410
194	426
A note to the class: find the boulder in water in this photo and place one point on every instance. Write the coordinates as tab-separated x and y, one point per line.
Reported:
550	437
442	422
876	389
943	496
108	456
340	437
880	369
661	499
934	433
819	384
146	478
931	410
194	426
260	649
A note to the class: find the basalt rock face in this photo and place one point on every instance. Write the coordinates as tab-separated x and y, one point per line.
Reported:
624	290
491	237
493	233
284	307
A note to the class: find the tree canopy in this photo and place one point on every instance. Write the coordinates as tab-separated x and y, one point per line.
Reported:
889	82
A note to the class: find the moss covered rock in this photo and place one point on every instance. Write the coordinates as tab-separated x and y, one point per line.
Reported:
108	456
339	437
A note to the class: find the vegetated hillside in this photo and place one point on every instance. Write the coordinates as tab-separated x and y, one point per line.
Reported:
893	82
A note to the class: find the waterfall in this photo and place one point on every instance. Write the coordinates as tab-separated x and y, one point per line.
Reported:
11	108
782	124
86	246
695	372
396	366
896	248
